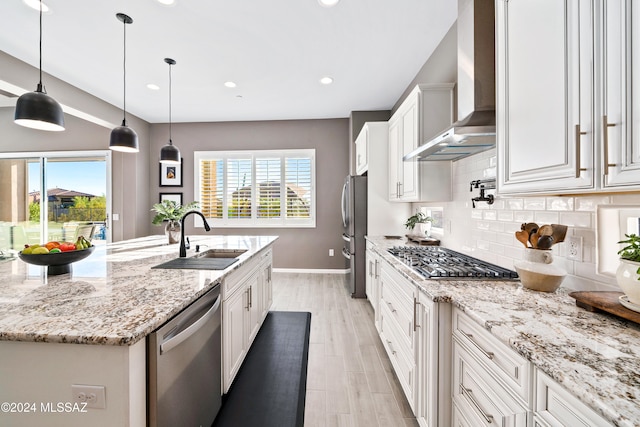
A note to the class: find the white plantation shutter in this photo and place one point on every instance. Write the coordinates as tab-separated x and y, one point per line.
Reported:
239	186
211	185
298	180
264	188
269	183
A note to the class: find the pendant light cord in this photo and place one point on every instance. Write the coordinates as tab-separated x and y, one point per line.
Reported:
40	82
170	141
124	74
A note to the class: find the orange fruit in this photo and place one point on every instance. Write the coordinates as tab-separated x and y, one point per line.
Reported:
51	245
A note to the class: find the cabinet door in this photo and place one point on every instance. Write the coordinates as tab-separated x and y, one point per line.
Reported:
362	151
235	335
267	289
621	85
427	360
254	318
409	177
544	94
395	160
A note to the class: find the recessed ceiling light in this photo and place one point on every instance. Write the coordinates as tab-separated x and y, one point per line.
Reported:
35	4
167	2
326	80
153	86
229	84
328	3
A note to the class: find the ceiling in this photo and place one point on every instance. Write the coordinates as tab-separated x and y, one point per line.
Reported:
275	51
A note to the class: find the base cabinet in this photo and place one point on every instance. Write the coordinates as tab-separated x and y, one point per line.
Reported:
244	308
555	407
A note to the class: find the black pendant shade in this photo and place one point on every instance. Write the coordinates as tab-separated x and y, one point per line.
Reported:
123	138
38	110
170	153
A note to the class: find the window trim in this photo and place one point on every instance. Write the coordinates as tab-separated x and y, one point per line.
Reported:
254	222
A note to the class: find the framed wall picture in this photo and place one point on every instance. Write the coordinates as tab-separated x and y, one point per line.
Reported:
171	175
176	197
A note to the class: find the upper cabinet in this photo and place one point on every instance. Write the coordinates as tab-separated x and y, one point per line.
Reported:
362	151
620	52
565	90
544	95
426	111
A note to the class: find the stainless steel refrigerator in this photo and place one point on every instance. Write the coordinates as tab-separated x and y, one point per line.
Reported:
354	220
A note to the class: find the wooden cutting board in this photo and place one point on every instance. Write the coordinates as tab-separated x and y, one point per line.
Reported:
423	241
604	301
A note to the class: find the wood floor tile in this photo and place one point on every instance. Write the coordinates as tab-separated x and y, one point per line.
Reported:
350	380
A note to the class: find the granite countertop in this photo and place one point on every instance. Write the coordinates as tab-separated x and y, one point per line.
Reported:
594	356
113	297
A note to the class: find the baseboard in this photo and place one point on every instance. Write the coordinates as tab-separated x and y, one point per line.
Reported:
312	270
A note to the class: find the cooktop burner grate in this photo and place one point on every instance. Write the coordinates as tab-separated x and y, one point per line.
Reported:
435	262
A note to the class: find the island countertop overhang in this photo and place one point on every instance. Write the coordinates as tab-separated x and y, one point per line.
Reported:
114	297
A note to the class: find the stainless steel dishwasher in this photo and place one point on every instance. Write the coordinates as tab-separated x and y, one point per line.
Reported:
184	366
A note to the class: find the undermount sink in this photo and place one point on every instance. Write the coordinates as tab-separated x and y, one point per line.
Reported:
212	259
221	253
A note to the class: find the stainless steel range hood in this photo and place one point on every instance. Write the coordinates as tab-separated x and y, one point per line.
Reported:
476	88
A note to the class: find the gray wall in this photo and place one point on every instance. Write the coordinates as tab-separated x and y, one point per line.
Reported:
440	67
297	247
130	172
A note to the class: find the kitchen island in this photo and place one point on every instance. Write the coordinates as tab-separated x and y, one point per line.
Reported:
594	357
89	327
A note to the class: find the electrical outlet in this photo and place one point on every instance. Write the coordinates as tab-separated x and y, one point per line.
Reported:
574	248
93	395
330	252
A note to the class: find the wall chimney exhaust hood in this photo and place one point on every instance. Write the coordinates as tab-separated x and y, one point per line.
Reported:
476	88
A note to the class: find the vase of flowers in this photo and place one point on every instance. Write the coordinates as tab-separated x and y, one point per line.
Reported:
171	212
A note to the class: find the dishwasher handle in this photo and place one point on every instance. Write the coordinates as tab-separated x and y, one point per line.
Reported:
192	329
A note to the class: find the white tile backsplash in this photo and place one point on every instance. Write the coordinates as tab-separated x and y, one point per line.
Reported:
488	231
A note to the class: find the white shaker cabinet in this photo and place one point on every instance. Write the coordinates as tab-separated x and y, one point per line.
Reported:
373	281
362	151
545	81
427	110
620	52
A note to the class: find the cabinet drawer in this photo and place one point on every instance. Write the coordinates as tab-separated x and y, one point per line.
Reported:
399	314
401	358
235	278
505	363
479	397
556	407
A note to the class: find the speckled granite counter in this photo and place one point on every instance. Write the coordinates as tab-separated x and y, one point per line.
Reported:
112	297
594	356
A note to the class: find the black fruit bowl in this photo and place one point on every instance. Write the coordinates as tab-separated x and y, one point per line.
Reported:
58	263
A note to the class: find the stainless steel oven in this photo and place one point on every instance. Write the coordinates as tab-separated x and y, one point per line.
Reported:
184	366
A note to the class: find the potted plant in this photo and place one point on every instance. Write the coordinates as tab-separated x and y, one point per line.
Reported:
421	220
628	272
171	211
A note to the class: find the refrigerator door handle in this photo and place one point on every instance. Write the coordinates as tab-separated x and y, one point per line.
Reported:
345	253
345	219
346	237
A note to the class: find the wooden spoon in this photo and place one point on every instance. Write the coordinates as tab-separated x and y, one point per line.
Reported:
530	227
533	239
545	230
559	232
523	237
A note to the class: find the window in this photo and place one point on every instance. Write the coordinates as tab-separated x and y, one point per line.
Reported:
268	188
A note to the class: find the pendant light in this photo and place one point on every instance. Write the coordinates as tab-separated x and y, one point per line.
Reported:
123	138
170	153
38	110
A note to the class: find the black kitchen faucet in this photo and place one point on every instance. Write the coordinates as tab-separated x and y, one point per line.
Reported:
183	246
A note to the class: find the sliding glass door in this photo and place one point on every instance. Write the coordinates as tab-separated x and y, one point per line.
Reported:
55	196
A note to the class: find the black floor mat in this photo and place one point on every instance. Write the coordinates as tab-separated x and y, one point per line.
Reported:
270	387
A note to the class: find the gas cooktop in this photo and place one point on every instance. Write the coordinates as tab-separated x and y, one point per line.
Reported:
435	262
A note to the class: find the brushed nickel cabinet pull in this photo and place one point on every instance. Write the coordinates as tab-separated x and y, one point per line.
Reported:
415	314
605	140
393	310
391	347
488	354
469	394
578	134
376	271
